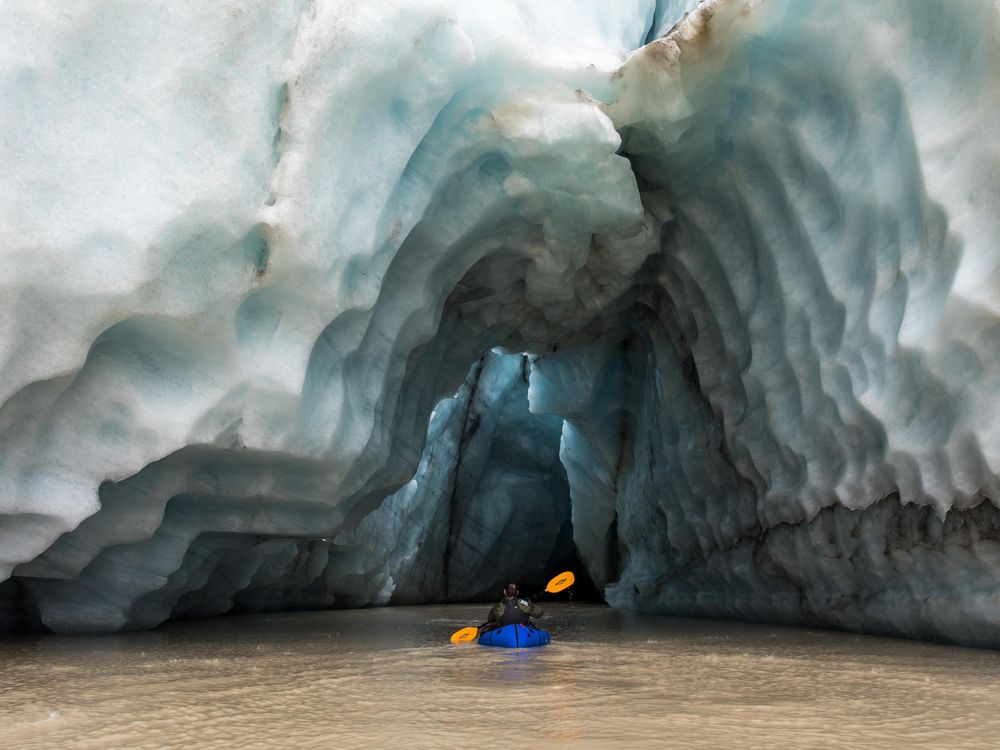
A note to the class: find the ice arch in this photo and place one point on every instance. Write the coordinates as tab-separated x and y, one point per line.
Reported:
748	245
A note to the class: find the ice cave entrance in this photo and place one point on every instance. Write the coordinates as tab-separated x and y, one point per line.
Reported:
490	488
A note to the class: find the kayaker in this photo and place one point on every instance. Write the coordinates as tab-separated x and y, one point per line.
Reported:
512	610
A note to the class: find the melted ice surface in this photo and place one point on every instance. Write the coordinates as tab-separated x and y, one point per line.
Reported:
749	246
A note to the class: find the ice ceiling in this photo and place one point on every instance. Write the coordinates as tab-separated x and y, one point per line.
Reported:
313	304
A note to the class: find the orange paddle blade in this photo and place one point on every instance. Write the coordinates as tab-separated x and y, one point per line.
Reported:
560	582
465	635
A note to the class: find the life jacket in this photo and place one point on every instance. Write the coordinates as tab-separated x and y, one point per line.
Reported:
512	614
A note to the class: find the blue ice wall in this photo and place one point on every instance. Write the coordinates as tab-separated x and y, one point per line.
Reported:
749	247
489	499
488	503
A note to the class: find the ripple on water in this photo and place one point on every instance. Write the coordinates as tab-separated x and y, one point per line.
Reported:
379	678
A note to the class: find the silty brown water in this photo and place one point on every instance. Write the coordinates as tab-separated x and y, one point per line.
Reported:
388	678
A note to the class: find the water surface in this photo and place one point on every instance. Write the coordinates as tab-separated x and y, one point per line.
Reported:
385	678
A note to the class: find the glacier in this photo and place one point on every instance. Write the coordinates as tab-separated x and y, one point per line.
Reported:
329	304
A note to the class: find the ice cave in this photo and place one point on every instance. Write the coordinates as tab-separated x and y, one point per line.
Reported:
322	304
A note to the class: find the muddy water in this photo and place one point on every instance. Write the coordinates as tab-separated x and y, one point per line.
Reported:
389	678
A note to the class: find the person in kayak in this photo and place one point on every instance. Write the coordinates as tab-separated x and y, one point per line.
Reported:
512	610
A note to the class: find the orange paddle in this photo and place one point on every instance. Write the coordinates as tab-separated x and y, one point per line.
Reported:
465	635
560	582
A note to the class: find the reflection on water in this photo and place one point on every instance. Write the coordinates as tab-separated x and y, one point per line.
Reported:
388	677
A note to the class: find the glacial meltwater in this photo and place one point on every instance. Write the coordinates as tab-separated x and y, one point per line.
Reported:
386	678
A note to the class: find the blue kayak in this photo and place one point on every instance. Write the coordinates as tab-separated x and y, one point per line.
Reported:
514	636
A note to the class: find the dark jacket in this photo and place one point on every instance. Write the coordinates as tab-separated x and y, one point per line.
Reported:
513	610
